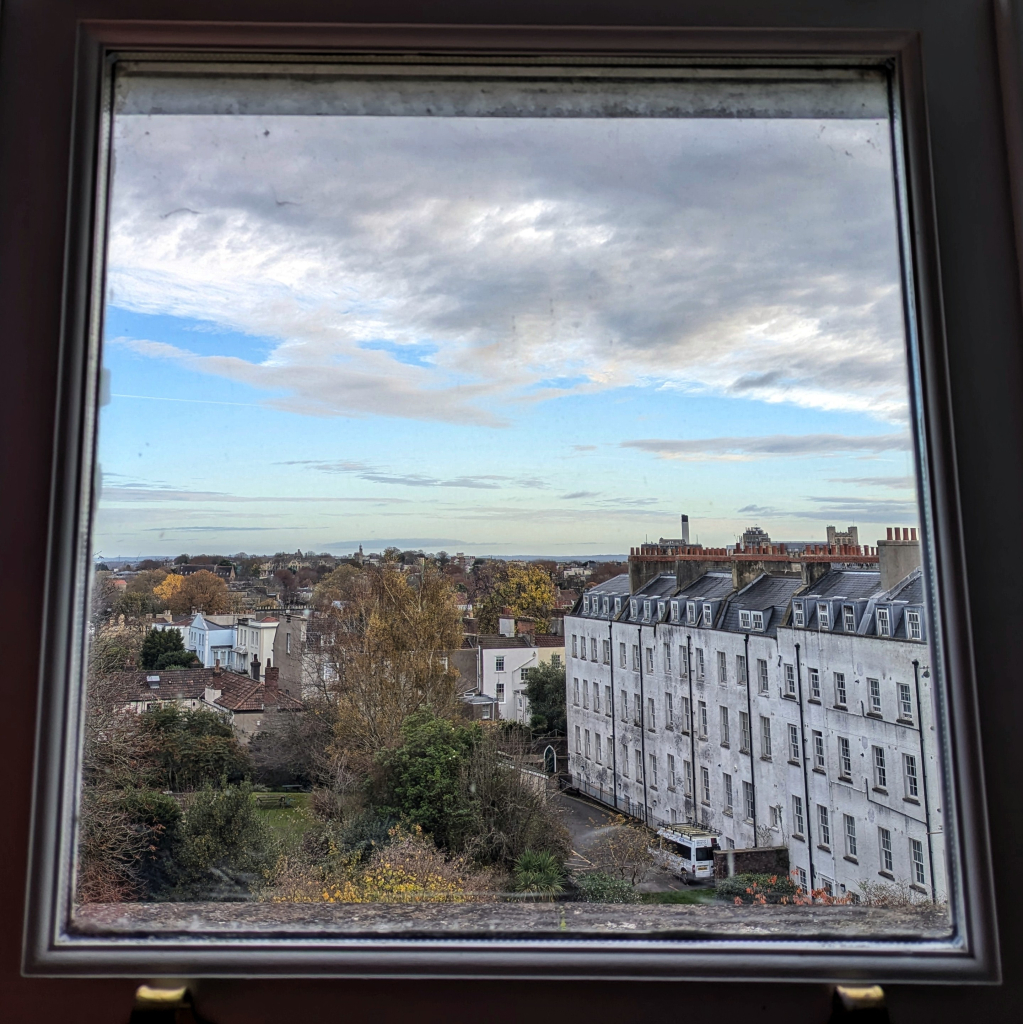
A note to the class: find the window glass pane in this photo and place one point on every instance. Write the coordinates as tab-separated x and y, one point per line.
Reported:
404	371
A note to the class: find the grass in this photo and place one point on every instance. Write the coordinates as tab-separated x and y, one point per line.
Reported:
696	897
290	823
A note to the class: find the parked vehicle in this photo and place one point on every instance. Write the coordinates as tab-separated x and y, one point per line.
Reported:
686	850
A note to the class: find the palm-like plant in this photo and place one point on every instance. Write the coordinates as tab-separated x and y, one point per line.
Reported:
540	874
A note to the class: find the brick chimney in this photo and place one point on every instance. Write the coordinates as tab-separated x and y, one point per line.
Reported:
898	555
254	669
525	627
272	674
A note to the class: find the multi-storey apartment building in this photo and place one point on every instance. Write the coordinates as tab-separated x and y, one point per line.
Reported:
782	702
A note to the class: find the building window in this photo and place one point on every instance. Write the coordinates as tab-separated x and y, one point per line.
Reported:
653	770
740	669
758	621
596	698
699	664
797	614
798	822
790	681
499	663
624	702
818	750
705	784
646	610
880	771
607	701
765	737
801	878
635	657
687	770
634	610
762	679
703	719
722	667
905	702
637	710
686	722
775	817
744	736
651	711
815	684
556	661
708	615
874	686
748	801
621	656
587	744
625	760
671	771
844	758
823	616
593	648
598	749
850	618
500	692
578	740
604	605
586	694
683	661
883	627
794	744
840	693
850	835
649	659
607	652
745	621
667	659
575	646
618	605
639	763
824	821
827	885
727	781
586	603
575	691
524	675
724	727
884	837
913	626
910	776
916	855
669	712
691	613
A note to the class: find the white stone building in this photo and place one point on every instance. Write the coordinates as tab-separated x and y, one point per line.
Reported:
254	642
784	708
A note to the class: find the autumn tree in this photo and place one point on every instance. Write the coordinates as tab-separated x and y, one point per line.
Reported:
622	850
168	592
382	648
527	589
545	690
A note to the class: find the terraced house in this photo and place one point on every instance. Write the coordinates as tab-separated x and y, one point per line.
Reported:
775	699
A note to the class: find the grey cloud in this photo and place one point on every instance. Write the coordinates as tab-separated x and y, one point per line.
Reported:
756	509
483	481
143	494
896	483
580	494
815	445
584	447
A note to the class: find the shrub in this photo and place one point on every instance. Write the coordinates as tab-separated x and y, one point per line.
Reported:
890	894
540	873
600	887
758	888
622	849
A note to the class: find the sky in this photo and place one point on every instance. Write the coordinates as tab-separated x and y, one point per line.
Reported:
499	335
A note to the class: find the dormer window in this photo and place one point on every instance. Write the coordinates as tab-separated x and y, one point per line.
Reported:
797	614
913	630
849	615
660	610
691	612
823	616
883	622
586	604
604	603
708	614
745	619
646	610
634	609
758	620
674	611
618	605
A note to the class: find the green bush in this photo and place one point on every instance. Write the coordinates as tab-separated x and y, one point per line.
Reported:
539	872
194	748
600	887
160	817
747	887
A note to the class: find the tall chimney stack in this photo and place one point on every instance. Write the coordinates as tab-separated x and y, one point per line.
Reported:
272	674
898	556
685	529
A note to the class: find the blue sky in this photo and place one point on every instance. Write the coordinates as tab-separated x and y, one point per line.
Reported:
499	335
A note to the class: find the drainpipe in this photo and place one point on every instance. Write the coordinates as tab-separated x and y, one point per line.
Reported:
749	720
642	728
923	778
806	780
614	735
692	721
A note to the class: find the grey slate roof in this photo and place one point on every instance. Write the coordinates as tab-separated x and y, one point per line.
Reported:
768	594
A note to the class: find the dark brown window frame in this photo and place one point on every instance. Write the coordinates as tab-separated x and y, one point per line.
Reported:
417	35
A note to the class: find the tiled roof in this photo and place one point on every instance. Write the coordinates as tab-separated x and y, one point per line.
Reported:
768	594
171	684
846	584
489	643
256	696
711	586
910	590
548	640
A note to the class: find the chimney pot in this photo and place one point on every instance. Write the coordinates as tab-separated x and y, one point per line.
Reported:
272	675
889	533
912	533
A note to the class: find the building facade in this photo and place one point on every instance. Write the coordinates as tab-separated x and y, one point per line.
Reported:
784	707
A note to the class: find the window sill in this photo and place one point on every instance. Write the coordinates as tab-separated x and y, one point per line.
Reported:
881	790
670	728
766	757
841	707
887	874
793	761
727	811
824	847
726	746
911	800
916	887
788	696
845	778
799	836
904	721
851	860
671	789
875	714
820	771
813	700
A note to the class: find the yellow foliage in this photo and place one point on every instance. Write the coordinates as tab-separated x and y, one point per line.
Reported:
530	593
169	589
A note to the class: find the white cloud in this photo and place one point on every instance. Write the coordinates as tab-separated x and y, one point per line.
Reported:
773	446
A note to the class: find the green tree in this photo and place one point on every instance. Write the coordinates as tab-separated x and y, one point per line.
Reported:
165	648
194	748
545	690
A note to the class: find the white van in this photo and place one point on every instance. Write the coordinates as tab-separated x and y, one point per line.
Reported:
687	850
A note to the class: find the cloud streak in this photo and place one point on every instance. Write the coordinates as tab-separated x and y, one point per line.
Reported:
772	446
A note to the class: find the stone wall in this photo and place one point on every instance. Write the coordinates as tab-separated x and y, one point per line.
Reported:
758	860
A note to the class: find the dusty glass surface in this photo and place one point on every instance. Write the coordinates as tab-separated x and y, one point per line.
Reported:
509	517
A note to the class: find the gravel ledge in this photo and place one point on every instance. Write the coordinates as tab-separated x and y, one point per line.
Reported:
506	920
